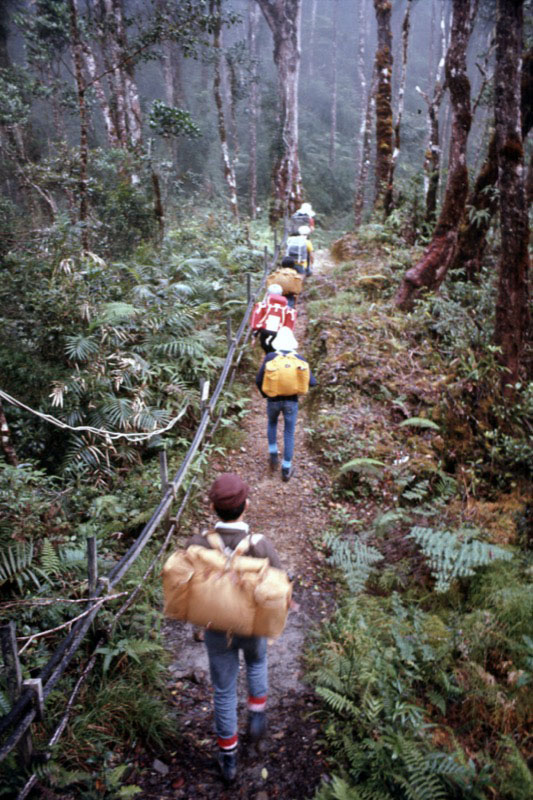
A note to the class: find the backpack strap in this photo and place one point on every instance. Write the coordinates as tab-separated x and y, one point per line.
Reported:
216	542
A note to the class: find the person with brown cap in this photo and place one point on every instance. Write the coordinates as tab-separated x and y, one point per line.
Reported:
229	501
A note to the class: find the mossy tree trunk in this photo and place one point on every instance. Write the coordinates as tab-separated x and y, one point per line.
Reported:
283	18
77	57
513	322
253	24
431	270
401	93
384	128
229	171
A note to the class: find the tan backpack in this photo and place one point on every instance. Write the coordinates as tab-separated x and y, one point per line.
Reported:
236	593
291	282
285	375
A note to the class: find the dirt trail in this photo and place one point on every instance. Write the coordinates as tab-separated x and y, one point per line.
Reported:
290	763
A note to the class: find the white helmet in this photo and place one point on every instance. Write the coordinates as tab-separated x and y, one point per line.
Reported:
274	288
285	340
304	230
307	208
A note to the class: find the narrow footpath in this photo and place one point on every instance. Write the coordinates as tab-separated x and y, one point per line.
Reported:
290	763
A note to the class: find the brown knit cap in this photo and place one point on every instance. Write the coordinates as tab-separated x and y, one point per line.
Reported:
228	491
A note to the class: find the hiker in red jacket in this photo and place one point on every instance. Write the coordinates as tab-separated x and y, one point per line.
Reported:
270	315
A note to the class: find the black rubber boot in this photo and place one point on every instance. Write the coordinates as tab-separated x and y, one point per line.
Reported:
227	761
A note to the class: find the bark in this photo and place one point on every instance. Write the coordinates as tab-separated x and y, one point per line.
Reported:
5	440
112	59
312	38
513	323
401	92
482	203
333	125
431	270
77	54
384	131
253	24
365	154
131	93
433	150
481	206
283	18
109	123
229	172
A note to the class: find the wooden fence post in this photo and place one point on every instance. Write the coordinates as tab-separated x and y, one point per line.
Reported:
248	286
228	331
8	639
92	564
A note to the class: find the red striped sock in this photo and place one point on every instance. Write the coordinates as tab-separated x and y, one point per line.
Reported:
229	743
257	703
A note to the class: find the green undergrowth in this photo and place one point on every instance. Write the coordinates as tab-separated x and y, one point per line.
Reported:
426	670
125	346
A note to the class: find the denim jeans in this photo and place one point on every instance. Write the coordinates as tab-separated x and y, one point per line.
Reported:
289	409
224	668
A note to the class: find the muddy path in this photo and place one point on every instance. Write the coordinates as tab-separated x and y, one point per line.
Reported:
290	763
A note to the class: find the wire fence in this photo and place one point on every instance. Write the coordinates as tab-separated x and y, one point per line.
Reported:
29	696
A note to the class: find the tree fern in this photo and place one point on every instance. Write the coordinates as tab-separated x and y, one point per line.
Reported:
453	555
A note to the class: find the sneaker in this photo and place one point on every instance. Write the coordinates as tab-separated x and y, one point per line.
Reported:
287	473
227	761
257	725
273	461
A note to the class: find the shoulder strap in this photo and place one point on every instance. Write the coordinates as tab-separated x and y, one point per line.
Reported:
215	540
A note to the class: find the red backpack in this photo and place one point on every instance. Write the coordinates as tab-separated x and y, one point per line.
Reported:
271	314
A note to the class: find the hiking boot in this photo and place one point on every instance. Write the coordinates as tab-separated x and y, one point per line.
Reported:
257	725
273	461
227	761
287	473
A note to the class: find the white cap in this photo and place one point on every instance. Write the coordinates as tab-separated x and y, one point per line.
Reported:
285	340
274	288
307	208
304	230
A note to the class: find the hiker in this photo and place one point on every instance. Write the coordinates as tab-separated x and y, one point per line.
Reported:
229	500
289	263
287	403
270	315
300	248
302	216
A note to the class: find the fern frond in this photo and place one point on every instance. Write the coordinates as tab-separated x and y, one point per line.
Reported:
338	702
49	558
450	557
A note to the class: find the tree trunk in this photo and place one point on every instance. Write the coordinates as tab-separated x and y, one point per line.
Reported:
513	322
77	55
109	124
383	65
365	153
283	18
433	150
112	59
131	93
5	440
482	201
431	270
312	38
481	205
401	92
253	24
229	172
333	124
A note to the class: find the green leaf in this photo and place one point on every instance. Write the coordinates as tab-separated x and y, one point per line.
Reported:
420	422
371	465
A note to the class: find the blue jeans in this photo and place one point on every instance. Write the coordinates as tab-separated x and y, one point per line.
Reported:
224	668
289	409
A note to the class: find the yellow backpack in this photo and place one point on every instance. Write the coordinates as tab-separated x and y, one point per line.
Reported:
286	375
236	593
